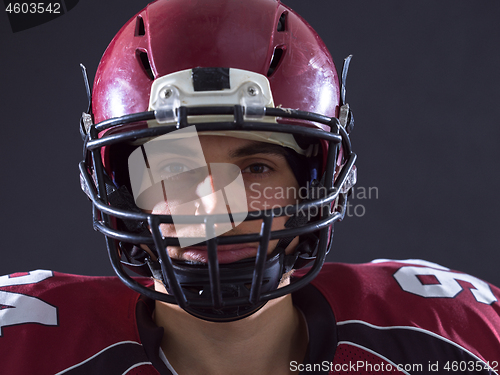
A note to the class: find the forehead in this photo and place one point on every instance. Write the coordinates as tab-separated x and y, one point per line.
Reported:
235	148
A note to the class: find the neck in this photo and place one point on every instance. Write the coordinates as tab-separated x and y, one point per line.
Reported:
263	343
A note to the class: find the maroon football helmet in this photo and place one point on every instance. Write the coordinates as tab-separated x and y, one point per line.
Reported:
249	69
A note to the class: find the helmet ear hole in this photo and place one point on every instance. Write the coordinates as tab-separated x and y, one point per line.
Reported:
143	58
276	59
140	30
281	27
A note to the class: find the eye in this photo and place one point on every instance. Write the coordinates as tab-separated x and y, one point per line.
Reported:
257	168
175	168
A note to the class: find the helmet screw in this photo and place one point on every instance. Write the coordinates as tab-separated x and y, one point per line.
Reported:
167	93
252	91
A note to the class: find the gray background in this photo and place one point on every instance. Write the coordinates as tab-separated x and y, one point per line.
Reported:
423	84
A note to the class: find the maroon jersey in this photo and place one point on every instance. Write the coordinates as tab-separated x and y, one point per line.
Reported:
388	317
56	323
411	317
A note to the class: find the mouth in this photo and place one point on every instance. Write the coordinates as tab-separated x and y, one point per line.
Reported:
225	253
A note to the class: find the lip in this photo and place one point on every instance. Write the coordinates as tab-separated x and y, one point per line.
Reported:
225	253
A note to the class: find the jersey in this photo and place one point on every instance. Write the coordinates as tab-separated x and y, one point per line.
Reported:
54	323
407	317
384	317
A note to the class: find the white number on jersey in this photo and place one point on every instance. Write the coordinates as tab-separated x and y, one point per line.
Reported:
20	308
448	286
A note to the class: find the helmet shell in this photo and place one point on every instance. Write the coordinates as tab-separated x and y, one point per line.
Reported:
262	36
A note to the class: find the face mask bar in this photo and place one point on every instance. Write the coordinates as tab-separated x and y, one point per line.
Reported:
105	215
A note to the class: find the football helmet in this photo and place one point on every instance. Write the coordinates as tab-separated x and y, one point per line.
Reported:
246	69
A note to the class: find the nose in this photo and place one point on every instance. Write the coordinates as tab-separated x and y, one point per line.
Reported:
209	199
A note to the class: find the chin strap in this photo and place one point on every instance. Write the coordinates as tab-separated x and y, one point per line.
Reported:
131	255
308	244
155	268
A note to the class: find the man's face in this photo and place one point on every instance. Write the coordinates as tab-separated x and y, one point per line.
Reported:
266	179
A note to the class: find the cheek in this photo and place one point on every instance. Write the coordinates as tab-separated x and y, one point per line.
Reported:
161	208
265	197
171	208
269	198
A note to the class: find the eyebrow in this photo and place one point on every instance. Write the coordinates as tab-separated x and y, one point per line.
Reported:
257	148
174	147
